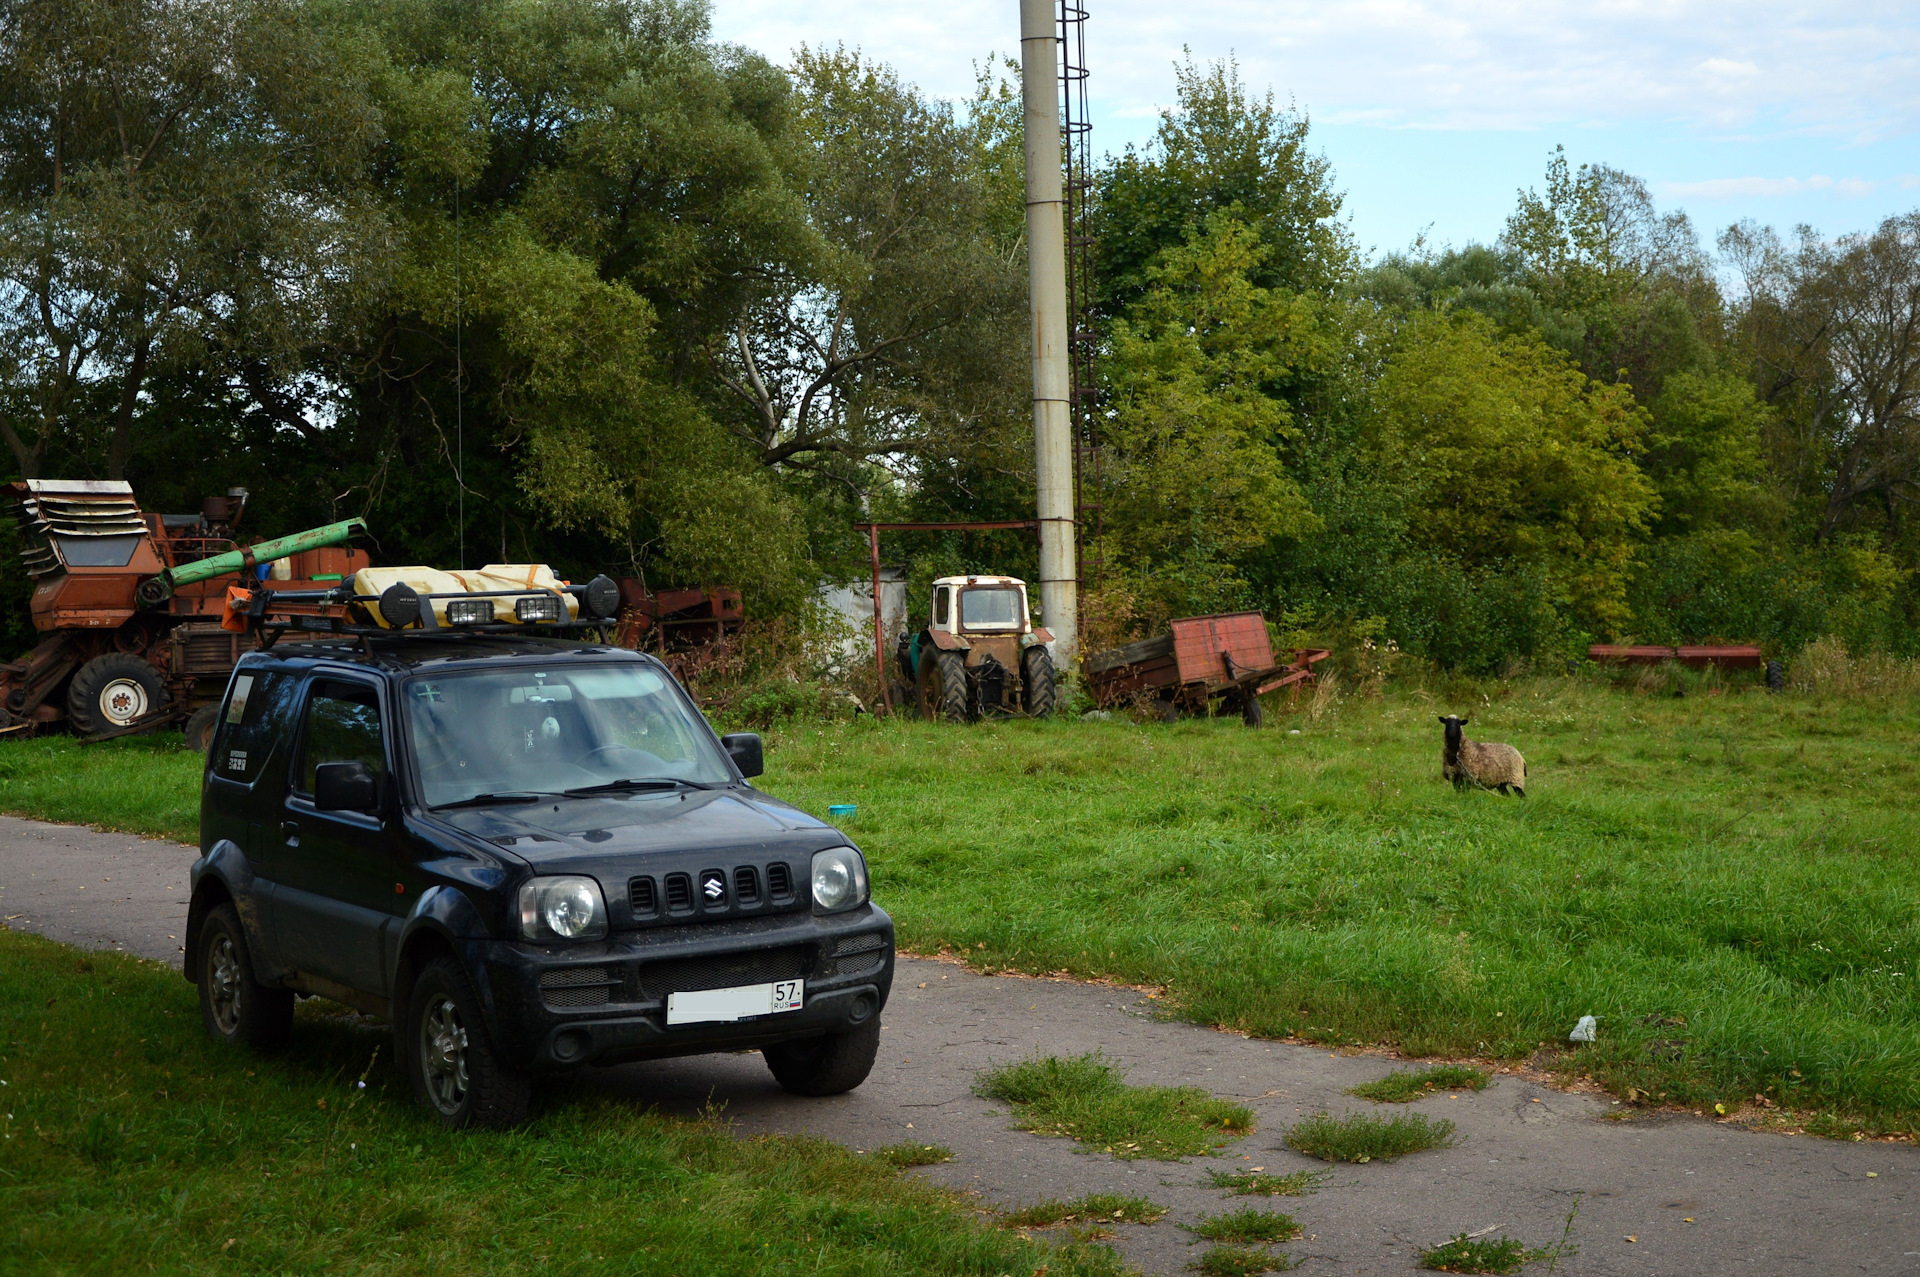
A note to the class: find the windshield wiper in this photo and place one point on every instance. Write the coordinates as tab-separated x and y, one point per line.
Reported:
502	796
651	782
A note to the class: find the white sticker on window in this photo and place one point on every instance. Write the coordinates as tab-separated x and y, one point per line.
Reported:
237	703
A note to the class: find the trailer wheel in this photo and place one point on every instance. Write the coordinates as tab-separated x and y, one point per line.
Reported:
113	690
943	687
1250	712
199	728
1036	678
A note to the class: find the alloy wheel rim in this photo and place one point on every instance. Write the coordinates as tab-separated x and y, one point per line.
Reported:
123	700
223	983
443	1054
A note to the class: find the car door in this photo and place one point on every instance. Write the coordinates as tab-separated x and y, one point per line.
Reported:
334	903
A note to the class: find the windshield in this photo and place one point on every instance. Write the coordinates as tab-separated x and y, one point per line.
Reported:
530	730
990	609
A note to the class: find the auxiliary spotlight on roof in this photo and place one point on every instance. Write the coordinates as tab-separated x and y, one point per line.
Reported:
499	598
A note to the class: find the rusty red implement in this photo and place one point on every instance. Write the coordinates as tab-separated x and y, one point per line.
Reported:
1227	655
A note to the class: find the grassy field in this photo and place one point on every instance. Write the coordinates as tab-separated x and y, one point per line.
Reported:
131	1143
1728	882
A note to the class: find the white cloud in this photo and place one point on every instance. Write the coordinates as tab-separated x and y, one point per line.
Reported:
1766	67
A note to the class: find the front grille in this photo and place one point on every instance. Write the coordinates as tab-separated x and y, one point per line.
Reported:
679	893
853	955
779	881
642	896
746	887
722	971
575	987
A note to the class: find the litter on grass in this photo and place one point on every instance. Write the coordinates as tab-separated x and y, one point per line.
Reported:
1584	1031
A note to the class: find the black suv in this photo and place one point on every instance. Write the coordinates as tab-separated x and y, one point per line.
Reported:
529	854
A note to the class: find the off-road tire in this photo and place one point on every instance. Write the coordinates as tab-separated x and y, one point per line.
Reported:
456	1068
942	686
200	727
237	1009
830	1065
111	691
1776	675
1037	680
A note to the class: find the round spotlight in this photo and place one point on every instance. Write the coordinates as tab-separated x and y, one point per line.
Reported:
570	1046
602	597
400	605
862	1009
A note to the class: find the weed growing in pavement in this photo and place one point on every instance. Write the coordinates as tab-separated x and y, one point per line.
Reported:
1404	1085
136	1143
1249	1225
1085	1098
901	1156
1241	1261
1358	1137
1258	1183
1501	1256
1094	1208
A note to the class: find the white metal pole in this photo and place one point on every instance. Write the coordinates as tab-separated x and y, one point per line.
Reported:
1047	284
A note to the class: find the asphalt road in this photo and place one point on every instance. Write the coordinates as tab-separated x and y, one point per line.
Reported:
1657	1195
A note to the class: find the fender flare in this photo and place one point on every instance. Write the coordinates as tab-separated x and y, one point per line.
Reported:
948	642
445	913
223	870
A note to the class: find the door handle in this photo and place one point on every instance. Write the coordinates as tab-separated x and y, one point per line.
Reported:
290	832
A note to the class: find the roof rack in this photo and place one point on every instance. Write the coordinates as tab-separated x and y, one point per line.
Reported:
409	614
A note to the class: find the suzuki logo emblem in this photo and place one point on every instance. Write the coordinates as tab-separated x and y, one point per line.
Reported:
713	886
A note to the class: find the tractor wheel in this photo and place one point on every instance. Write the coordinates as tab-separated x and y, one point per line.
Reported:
200	725
943	687
113	690
1036	678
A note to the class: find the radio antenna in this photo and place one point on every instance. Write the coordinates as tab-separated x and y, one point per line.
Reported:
459	382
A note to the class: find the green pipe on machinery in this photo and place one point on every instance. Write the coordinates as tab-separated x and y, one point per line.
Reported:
163	586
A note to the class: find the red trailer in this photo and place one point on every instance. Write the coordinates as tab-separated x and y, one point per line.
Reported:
1227	655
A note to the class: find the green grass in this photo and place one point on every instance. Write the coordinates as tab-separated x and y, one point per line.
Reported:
1502	1256
1741	863
1249	1225
1405	1085
1085	1098
1240	1261
1095	1208
901	1156
1360	1137
131	1143
1256	1183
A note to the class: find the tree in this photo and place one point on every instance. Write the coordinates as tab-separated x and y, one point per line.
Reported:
898	336
179	182
1509	457
1220	149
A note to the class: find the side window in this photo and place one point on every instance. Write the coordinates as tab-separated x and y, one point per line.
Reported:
940	605
342	725
252	723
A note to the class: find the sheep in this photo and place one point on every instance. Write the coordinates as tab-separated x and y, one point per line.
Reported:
1471	762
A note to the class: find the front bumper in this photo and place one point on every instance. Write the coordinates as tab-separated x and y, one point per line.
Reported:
560	1006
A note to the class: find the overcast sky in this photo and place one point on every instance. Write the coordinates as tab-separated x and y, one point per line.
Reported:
1434	112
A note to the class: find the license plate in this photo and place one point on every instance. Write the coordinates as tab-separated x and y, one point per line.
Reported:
742	1002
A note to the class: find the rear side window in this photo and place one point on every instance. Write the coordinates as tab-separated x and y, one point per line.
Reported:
343	725
252	723
940	606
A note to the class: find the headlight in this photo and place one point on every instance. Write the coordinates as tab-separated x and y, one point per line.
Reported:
839	880
562	908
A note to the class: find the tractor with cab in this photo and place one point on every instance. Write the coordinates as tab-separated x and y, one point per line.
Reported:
980	655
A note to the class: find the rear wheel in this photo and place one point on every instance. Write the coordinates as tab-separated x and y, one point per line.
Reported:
943	686
112	691
235	1007
199	728
456	1069
1036	675
829	1065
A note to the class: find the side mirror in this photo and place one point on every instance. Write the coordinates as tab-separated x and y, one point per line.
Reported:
348	786
744	749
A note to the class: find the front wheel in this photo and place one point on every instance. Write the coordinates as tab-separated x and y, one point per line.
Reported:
199	728
456	1069
236	1008
830	1065
1036	676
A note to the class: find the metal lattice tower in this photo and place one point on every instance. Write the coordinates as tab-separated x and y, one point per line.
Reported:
1076	130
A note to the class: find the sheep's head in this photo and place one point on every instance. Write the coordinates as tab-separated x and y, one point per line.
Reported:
1454	724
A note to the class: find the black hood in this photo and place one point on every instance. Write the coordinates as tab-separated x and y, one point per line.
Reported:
592	833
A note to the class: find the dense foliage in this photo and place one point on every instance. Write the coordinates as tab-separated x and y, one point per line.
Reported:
572	281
